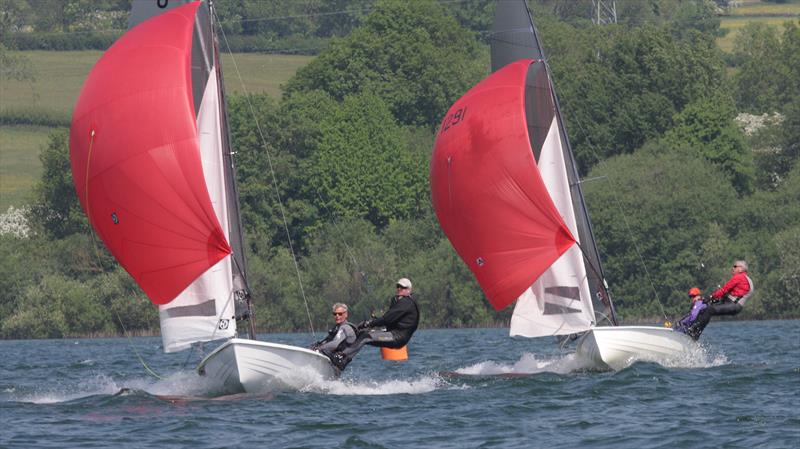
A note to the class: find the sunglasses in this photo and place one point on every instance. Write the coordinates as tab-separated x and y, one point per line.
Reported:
401	287
338	313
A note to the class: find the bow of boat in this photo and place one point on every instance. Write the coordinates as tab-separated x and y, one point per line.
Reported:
252	366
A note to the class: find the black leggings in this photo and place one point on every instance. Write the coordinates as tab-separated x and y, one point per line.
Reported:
726	307
374	338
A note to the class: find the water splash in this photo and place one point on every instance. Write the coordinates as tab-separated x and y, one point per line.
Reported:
352	387
526	365
699	357
100	384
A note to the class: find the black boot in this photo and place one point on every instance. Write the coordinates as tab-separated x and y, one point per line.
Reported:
338	359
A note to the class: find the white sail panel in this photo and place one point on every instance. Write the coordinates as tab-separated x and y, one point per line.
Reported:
559	302
205	310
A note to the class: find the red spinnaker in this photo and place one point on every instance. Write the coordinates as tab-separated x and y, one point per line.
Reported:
487	191
135	158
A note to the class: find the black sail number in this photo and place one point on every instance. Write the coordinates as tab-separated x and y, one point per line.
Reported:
454	119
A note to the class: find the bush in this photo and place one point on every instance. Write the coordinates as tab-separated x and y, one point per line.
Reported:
34	116
62	42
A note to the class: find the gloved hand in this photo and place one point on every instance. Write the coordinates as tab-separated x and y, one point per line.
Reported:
364	324
314	346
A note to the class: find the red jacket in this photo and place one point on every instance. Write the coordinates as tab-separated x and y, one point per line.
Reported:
737	285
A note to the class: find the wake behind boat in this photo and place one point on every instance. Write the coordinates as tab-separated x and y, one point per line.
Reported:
153	169
508	196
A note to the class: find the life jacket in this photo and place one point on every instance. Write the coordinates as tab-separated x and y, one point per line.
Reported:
332	334
743	299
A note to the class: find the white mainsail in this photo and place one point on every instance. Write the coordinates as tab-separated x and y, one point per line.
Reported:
559	302
205	310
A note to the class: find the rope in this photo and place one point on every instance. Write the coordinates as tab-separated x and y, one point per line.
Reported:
130	341
273	176
88	163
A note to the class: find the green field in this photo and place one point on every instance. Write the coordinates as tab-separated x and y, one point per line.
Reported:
755	11
19	162
59	77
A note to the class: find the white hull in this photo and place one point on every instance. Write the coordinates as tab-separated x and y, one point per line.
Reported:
617	346
252	366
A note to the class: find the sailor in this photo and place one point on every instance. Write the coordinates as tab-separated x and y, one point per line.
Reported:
726	300
698	305
342	334
392	330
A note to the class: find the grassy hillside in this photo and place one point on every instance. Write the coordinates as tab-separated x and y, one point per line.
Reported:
756	11
59	77
19	162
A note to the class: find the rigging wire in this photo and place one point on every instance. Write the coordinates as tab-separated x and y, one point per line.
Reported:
273	176
348	248
625	221
590	145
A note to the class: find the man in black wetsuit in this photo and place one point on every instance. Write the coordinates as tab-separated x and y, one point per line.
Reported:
343	333
392	330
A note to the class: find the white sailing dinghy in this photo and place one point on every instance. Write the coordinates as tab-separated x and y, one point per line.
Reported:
507	194
153	169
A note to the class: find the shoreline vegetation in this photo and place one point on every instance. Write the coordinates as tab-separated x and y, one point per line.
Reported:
680	182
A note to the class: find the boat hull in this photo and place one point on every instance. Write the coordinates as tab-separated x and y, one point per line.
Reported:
252	366
616	347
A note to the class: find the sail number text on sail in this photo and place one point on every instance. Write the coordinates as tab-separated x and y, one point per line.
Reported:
454	119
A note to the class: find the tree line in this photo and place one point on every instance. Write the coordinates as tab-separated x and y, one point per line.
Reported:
677	186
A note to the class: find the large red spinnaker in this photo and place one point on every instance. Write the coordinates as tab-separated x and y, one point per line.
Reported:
487	192
136	162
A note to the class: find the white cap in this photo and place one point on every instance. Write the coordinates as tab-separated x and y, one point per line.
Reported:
405	283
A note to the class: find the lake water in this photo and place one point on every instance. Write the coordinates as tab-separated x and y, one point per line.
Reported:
459	389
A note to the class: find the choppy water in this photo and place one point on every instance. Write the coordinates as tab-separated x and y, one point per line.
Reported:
460	389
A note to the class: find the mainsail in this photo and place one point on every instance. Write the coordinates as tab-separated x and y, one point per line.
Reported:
151	164
504	133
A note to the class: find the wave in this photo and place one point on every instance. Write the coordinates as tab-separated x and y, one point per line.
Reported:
58	392
366	387
527	364
188	385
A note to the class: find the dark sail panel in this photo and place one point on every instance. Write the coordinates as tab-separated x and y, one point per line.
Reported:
487	194
511	35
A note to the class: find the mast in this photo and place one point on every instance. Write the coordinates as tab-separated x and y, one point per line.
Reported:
244	303
516	37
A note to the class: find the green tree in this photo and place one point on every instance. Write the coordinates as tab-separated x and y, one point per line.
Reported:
417	59
14	15
362	167
652	220
757	80
706	128
633	91
57	210
23	262
781	284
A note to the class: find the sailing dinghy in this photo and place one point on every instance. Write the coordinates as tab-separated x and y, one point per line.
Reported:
507	194
153	169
